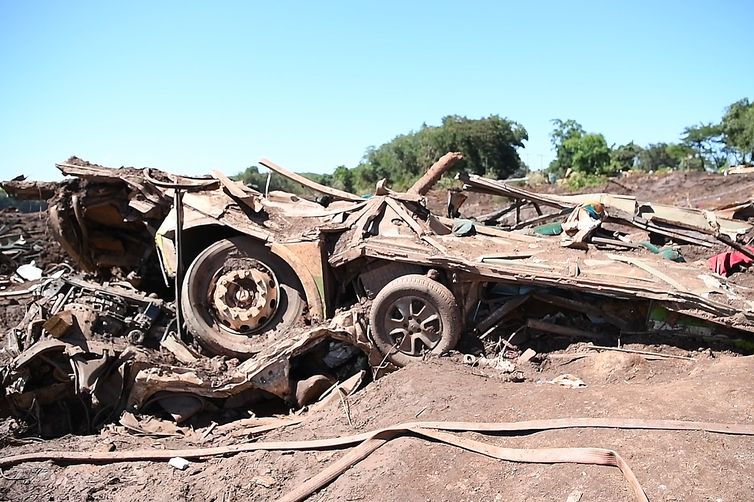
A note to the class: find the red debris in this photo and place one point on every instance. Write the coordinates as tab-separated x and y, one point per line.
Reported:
728	262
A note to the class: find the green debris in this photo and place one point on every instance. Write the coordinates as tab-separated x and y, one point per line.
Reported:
554	228
666	252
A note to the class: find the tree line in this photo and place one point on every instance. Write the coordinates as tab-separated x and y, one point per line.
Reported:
491	145
706	146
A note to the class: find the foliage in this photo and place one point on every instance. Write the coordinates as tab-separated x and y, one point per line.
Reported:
489	146
590	154
564	130
737	127
582	152
714	145
706	142
665	156
625	157
579	180
343	179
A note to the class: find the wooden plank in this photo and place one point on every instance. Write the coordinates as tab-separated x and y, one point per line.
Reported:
735	245
502	188
559	330
501	312
423	233
495	232
614	242
579	306
312	185
674	234
239	191
540	219
650	269
494	215
640	352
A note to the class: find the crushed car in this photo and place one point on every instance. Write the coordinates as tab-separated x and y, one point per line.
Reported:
219	296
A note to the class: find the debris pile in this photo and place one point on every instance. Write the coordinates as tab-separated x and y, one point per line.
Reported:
27	247
197	297
623	222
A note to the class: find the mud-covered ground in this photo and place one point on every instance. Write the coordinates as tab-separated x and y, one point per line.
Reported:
672	466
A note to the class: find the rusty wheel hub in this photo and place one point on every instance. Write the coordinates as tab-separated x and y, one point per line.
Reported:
246	298
414	325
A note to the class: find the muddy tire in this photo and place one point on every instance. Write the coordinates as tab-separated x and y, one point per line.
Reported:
237	296
413	316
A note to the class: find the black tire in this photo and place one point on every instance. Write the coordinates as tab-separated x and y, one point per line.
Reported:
210	327
413	316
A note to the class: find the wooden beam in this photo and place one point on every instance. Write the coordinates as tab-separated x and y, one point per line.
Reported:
426	182
312	185
559	330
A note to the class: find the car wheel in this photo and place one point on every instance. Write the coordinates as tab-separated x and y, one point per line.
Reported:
413	316
237	296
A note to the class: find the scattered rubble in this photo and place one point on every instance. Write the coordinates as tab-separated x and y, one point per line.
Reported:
198	299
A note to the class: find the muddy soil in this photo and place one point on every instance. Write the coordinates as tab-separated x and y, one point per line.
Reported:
671	466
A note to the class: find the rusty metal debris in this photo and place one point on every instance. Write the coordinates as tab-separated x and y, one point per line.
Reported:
283	298
685	225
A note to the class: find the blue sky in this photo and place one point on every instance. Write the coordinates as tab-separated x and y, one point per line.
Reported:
191	86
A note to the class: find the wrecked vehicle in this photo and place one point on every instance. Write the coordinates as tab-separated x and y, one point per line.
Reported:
257	276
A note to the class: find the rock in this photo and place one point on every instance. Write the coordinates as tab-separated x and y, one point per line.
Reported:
179	463
527	356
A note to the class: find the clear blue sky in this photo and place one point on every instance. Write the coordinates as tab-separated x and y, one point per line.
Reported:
191	86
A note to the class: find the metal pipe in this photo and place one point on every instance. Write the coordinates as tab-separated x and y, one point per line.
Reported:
178	206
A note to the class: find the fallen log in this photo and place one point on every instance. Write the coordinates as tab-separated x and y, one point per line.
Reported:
428	180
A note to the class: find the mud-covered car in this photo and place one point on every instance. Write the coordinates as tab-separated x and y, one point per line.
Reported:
258	264
300	296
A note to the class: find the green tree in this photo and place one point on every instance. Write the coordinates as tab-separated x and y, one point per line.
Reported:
589	154
684	157
489	145
707	144
625	157
343	178
582	152
737	128
665	156
563	131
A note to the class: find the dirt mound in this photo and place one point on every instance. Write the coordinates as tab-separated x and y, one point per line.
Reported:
670	465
